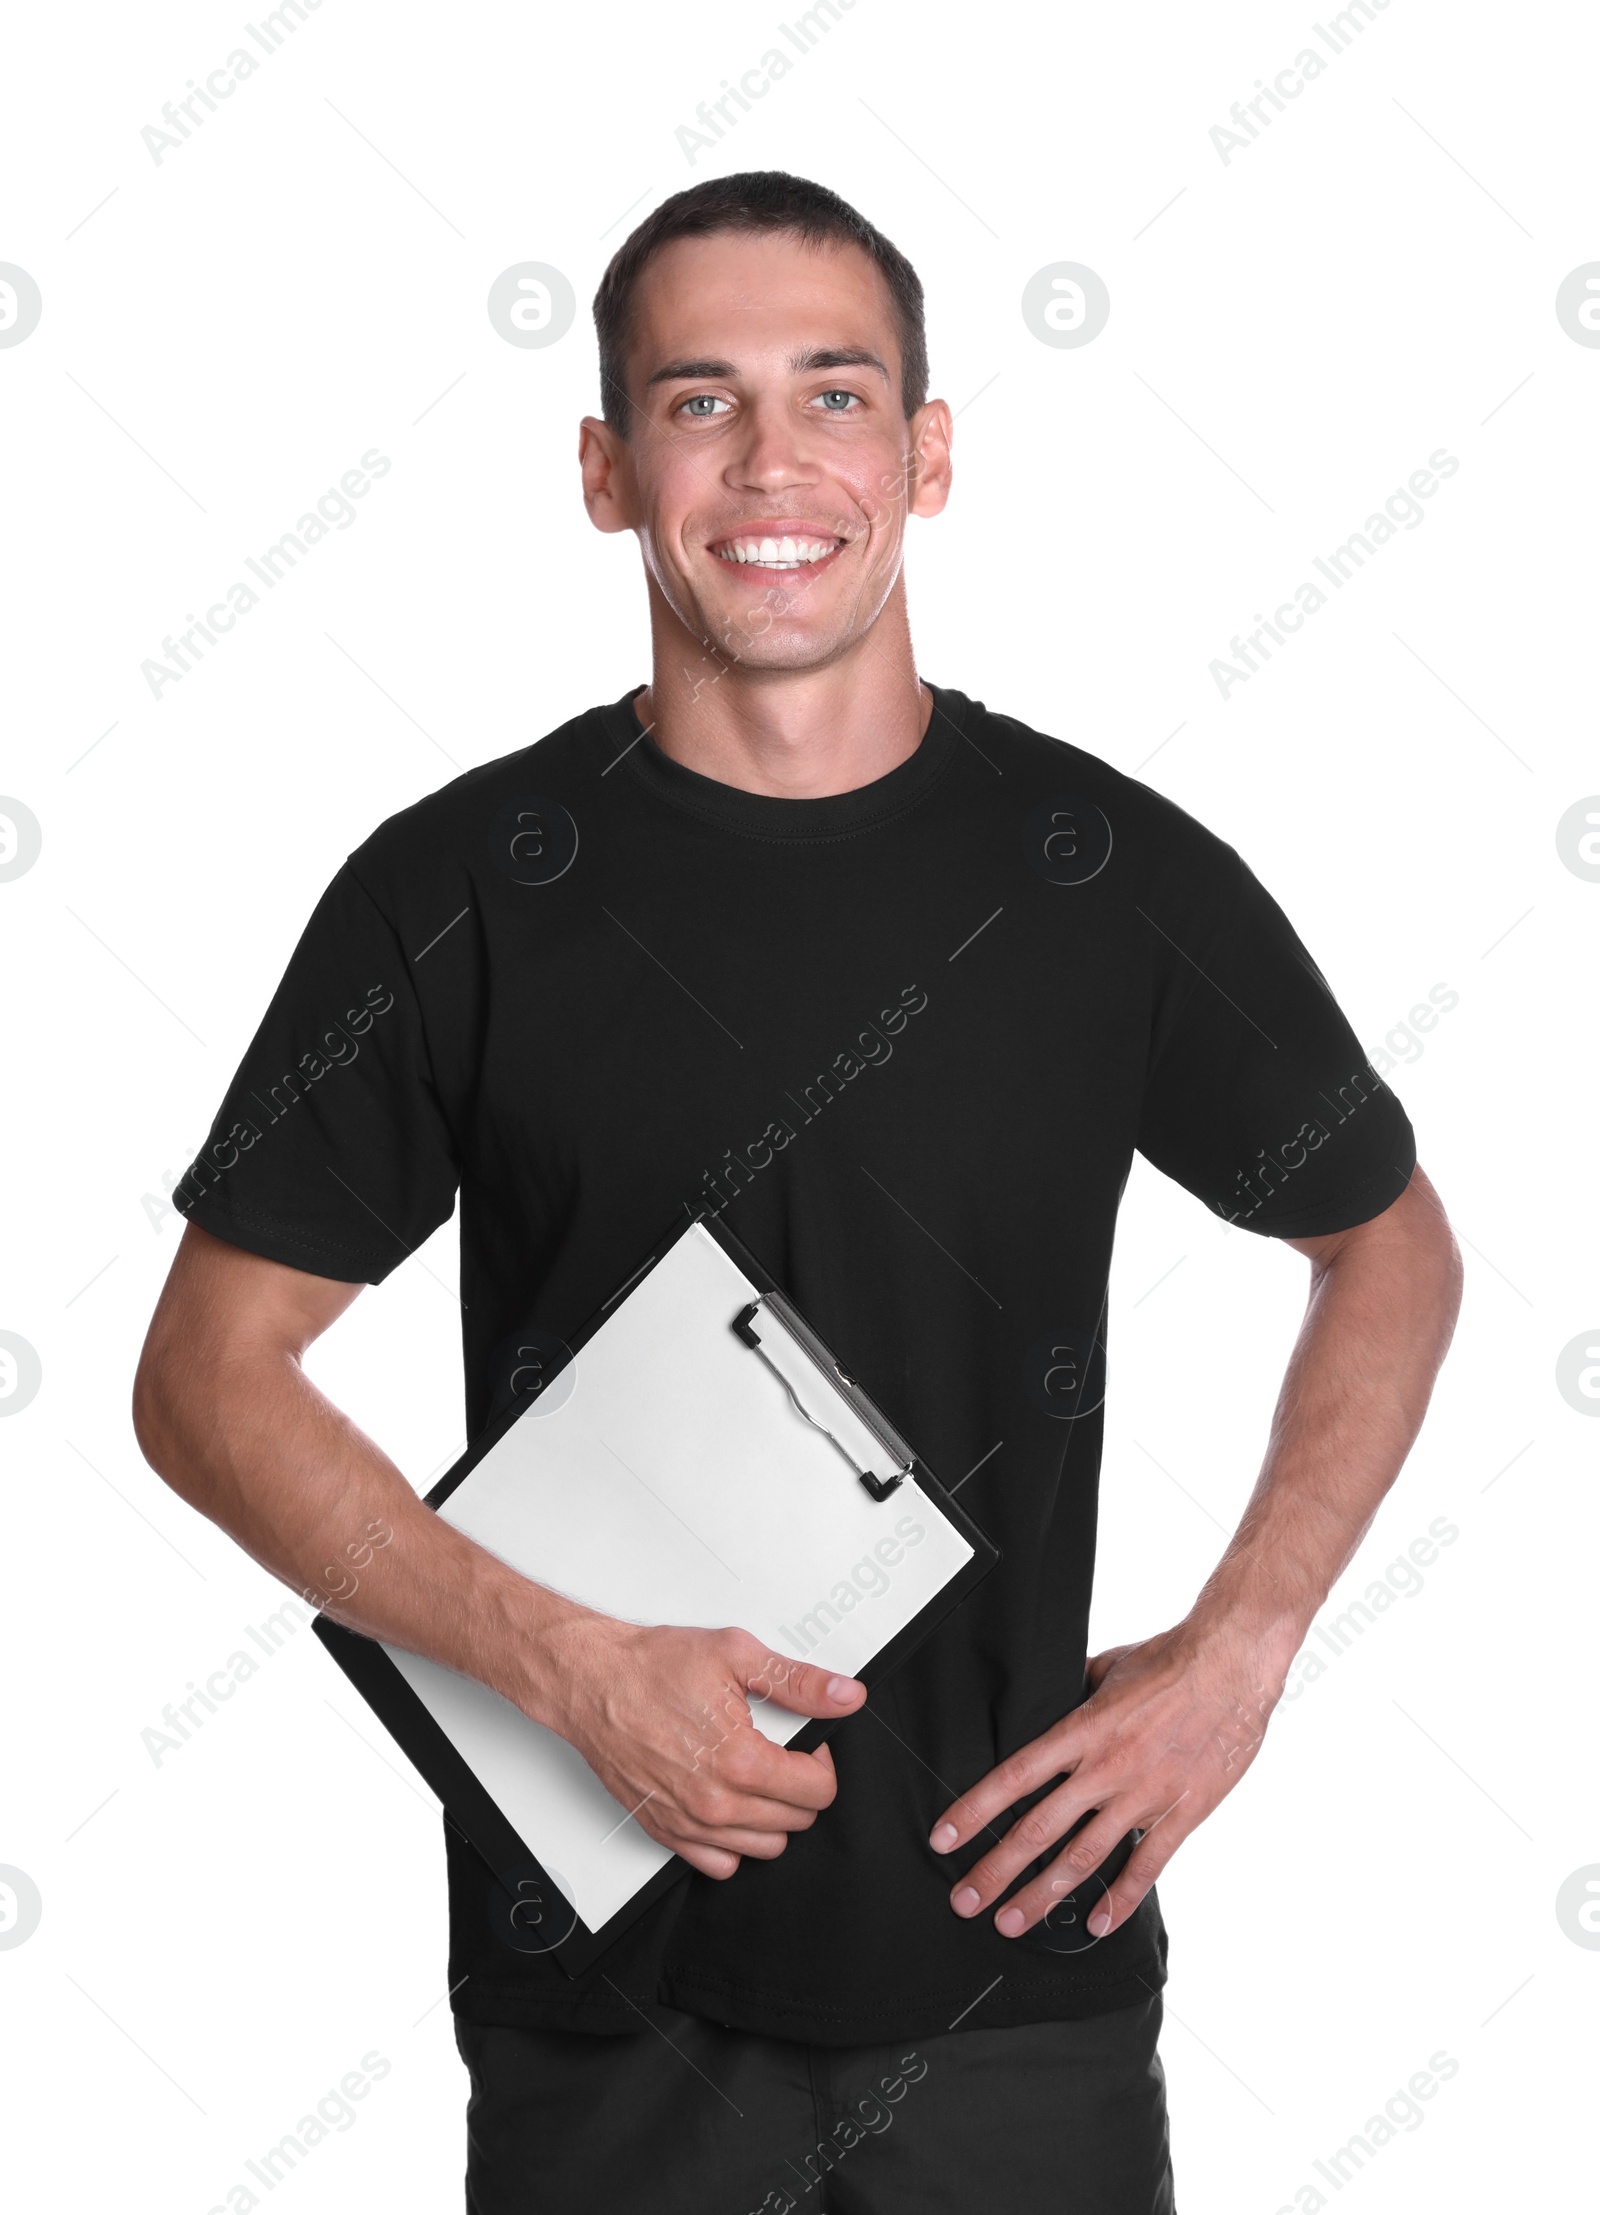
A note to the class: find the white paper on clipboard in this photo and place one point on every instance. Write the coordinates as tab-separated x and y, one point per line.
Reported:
668	1477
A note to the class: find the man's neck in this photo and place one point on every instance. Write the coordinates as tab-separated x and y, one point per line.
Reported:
795	734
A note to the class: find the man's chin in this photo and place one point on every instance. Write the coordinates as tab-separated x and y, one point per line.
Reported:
774	653
755	635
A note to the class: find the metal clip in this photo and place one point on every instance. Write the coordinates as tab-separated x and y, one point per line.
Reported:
801	1354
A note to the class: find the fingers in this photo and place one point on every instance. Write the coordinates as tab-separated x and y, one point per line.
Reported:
1018	1775
718	1814
799	1686
1046	1822
719	1789
751	1768
746	1759
753	1829
711	1861
1145	1864
750	1789
735	1843
1073	1867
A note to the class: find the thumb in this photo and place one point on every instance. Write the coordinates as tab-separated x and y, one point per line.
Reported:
801	1687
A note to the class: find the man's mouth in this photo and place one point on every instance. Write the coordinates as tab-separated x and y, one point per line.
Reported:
753	550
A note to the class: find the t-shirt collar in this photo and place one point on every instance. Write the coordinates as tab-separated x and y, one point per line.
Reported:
766	815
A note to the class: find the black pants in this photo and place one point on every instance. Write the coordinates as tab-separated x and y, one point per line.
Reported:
1059	2118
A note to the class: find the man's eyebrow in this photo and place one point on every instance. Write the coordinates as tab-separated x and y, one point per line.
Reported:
815	357
673	371
838	357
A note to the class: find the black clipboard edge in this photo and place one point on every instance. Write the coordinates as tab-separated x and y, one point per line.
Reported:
429	1750
426	1745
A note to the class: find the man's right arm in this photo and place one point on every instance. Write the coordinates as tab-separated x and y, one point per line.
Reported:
225	1413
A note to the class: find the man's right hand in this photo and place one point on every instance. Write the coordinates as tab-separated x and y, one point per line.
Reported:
662	1717
225	1411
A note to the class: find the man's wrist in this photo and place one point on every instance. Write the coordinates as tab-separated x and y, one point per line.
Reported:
534	1644
1263	1634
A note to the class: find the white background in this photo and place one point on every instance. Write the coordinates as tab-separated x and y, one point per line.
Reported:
1292	333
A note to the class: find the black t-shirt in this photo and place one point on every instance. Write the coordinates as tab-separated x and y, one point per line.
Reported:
908	1038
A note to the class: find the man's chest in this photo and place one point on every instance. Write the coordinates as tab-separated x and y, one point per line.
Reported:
686	1042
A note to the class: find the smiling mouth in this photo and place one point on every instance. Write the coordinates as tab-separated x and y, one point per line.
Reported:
755	552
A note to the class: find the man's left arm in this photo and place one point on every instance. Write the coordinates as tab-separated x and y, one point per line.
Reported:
1174	1721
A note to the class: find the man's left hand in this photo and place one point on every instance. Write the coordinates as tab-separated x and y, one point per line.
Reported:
1170	1727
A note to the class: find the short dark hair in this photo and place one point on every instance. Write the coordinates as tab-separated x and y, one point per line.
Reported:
754	200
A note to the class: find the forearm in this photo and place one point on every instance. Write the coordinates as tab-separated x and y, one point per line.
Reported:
246	1438
1174	1722
1378	1322
227	1415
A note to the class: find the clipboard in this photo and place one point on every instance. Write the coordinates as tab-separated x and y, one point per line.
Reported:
703	1458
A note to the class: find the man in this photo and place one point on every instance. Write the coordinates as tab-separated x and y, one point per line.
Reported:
900	985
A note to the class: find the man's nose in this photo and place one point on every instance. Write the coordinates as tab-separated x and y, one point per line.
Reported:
772	452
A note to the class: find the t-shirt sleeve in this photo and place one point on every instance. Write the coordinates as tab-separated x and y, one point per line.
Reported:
331	1151
1258	1097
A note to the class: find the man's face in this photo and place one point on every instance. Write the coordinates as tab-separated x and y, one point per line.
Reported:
768	468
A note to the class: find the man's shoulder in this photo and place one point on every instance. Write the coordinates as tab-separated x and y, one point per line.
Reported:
449	820
1053	770
558	759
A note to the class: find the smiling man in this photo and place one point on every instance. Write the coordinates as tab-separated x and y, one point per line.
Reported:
646	965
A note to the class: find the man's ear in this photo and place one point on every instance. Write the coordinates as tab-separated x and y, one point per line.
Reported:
930	433
607	466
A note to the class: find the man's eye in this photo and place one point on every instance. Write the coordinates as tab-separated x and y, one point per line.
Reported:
702	404
838	403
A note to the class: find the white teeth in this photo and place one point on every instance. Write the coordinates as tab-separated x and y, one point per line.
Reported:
785	553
